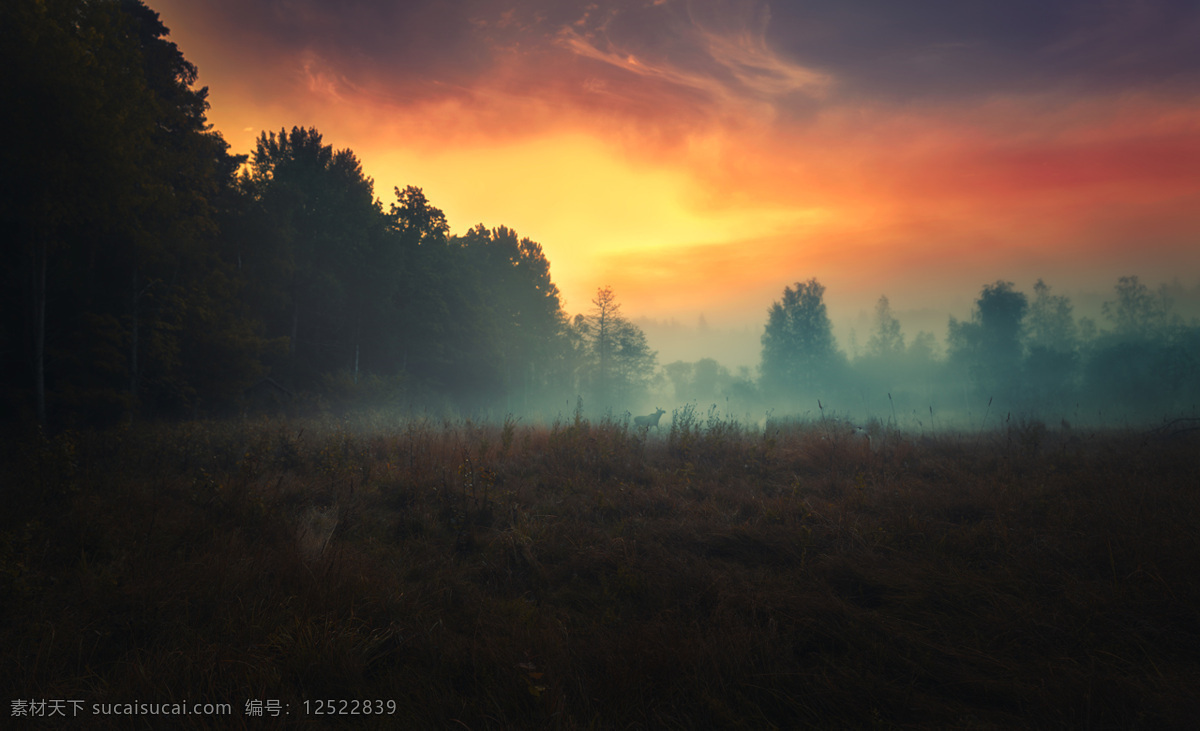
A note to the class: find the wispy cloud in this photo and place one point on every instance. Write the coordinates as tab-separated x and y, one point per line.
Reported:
886	147
725	58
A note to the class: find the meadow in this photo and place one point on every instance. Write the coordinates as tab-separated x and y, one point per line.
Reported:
591	574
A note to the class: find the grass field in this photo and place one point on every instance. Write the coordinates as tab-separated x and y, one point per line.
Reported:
590	575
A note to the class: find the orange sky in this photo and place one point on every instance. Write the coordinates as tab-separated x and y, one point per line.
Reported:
700	156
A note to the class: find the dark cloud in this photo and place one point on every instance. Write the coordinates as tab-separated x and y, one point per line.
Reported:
795	55
363	42
923	48
725	55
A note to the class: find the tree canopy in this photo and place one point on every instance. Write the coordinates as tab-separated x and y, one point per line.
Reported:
989	346
616	362
799	355
104	282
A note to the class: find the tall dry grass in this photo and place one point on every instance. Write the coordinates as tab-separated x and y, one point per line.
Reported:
592	575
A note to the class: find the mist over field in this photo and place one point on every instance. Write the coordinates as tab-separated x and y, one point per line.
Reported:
586	365
1116	359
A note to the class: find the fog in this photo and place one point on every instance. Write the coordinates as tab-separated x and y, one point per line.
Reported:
1012	355
732	346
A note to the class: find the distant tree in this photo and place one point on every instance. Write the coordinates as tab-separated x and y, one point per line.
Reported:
1148	366
709	378
1052	342
705	380
799	354
886	341
923	350
601	331
1050	324
632	363
989	347
618	361
743	391
679	374
894	376
1001	311
1088	331
1137	312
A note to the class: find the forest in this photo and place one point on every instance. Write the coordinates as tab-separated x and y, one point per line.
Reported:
154	273
278	455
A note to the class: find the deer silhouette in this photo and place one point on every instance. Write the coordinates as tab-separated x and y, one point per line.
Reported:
650	420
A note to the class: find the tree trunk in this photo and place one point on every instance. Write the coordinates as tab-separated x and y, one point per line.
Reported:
602	345
133	339
40	254
295	328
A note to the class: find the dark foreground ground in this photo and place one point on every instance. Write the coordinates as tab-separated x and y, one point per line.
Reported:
451	575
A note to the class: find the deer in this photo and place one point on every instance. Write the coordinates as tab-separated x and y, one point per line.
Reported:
650	420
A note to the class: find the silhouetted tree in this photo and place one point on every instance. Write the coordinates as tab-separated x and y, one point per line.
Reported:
413	215
1149	364
113	209
988	347
1137	312
475	318
1052	343
521	305
424	290
799	354
618	362
883	369
315	259
1050	323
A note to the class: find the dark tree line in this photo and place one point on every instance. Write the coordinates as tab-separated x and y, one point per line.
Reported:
146	275
109	196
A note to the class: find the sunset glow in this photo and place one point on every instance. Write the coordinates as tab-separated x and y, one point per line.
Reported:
699	156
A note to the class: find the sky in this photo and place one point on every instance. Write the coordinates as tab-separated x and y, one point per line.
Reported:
699	156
